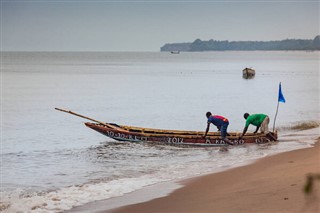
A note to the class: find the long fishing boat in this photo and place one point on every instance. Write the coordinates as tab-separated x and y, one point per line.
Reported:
172	137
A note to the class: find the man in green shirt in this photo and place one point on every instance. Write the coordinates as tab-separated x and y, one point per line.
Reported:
258	120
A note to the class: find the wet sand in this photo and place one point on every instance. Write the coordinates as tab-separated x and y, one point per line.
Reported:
272	184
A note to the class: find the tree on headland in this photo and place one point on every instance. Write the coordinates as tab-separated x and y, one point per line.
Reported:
213	45
316	42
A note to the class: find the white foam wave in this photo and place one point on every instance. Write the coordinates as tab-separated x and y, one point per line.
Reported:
69	197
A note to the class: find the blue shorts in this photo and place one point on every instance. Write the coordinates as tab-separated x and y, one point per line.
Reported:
223	129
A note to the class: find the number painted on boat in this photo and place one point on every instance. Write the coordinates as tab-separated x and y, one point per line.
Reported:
121	136
110	134
175	140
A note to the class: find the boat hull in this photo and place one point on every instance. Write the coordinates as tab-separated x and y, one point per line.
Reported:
248	73
175	137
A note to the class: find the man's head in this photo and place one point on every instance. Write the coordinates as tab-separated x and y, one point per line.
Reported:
208	114
246	115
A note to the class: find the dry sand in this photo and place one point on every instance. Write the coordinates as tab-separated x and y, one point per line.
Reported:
272	184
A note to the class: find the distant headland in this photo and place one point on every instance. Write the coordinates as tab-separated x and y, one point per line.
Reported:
213	45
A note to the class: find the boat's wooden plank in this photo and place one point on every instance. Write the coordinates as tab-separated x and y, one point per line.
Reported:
181	132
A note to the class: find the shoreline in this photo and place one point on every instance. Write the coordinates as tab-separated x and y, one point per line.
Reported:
271	184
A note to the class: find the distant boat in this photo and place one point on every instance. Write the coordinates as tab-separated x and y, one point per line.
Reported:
248	73
175	52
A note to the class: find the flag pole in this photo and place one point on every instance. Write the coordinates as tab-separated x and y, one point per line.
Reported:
275	117
280	99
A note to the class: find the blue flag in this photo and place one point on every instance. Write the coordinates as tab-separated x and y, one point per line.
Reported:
280	96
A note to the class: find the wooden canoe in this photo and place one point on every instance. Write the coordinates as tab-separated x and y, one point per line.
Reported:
174	137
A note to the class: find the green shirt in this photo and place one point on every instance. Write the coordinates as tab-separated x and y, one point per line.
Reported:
255	119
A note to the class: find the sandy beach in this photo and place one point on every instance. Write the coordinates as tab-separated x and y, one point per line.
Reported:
272	184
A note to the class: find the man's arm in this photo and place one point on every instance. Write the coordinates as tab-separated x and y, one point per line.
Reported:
208	126
244	131
256	129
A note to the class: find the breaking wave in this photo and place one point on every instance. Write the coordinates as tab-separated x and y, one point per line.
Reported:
299	126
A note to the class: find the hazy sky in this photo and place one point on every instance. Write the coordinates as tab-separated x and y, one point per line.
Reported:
91	25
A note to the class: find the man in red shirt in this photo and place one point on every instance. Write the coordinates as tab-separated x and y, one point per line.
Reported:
221	123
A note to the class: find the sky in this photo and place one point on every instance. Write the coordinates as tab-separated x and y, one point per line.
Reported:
132	25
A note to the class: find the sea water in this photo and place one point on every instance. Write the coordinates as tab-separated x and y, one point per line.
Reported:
51	162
